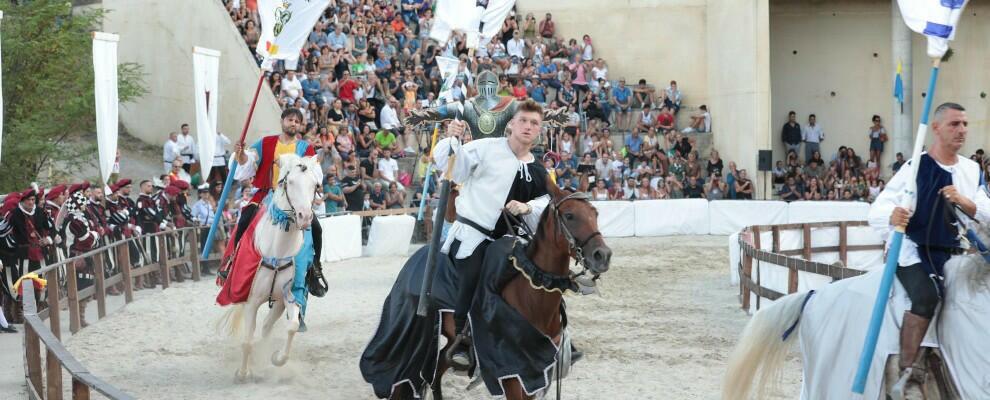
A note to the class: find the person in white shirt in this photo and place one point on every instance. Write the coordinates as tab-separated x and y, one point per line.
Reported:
947	186
390	117
187	148
516	47
813	135
219	170
171	151
388	169
495	174
292	87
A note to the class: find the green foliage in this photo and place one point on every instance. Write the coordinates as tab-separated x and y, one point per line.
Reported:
48	89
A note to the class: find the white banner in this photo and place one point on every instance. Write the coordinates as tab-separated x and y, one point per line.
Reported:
467	16
206	70
285	26
448	73
105	89
936	19
1	100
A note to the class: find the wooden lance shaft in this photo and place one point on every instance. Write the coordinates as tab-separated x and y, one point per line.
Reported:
426	290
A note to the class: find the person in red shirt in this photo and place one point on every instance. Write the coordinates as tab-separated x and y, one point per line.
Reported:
345	90
519	90
665	121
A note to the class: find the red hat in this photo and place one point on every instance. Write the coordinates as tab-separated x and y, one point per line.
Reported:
120	185
10	202
28	194
55	192
172	190
78	186
182	185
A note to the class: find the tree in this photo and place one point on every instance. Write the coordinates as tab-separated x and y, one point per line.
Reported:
48	88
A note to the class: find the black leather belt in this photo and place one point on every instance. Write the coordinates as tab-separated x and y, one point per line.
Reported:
951	250
468	222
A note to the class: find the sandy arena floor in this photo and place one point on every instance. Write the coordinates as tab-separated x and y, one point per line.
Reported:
662	330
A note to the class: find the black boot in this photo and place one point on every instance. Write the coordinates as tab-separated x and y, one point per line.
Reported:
912	333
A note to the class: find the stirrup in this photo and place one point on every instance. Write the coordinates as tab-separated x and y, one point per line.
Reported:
899	388
460	361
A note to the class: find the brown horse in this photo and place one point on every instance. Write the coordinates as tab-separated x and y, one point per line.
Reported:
568	230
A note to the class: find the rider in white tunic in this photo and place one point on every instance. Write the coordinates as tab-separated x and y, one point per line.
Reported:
495	174
947	185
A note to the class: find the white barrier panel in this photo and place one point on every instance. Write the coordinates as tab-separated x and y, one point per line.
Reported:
341	238
671	217
728	216
390	235
826	211
734	258
616	218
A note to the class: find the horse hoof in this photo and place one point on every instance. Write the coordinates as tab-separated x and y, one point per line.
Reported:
279	359
242	377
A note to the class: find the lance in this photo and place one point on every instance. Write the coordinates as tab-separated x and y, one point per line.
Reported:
429	172
218	215
894	251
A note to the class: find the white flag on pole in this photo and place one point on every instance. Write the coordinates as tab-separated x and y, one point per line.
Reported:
206	70
936	19
1	101
466	16
105	89
285	26
448	74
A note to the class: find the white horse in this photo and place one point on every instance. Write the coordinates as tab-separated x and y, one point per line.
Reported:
299	178
832	330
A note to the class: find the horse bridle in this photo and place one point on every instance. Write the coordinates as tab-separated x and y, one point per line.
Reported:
575	248
283	184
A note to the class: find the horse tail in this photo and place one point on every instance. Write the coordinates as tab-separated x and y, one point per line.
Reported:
230	323
762	348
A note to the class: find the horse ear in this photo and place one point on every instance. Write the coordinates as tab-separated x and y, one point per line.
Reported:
554	191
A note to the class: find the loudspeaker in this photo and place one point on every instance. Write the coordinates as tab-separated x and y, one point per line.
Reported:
765	160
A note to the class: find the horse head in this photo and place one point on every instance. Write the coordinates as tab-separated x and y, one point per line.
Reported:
570	222
299	179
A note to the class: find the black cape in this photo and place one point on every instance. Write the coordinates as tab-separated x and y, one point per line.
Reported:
405	349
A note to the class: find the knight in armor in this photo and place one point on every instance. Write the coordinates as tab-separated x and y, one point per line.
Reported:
82	234
946	184
495	173
487	114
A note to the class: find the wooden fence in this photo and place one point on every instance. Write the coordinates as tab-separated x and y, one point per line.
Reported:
794	260
174	249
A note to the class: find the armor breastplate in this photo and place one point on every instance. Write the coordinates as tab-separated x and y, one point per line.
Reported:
485	123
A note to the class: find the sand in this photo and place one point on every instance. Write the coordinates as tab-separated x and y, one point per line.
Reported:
662	330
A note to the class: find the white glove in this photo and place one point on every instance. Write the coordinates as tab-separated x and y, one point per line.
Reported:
137	229
517	208
163	225
48	240
58	240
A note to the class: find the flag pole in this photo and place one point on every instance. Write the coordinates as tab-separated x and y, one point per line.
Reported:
429	172
894	251
218	215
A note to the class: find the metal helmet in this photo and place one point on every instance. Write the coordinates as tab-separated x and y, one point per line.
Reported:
487	84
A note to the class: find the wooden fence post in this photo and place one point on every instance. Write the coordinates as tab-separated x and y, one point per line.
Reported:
192	250
54	308
124	261
79	390
53	376
843	243
792	276
72	294
99	280
163	260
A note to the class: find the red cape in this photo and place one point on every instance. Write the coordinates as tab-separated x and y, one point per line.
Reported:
243	266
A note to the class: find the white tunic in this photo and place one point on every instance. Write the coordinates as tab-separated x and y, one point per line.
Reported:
485	169
966	179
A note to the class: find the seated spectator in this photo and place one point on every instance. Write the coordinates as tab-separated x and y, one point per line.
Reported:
896	166
377	197
700	122
333	196
291	87
791	191
744	186
536	91
814	170
634	146
693	188
600	192
311	88
547	28
672	97
388	168
779	173
395	198
674	187
647	119
386	140
390	117
714	165
813	190
715	189
622	104
665	121
354	189
644	191
693	167
644	95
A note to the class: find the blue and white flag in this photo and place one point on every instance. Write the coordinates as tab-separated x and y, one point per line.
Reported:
937	19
